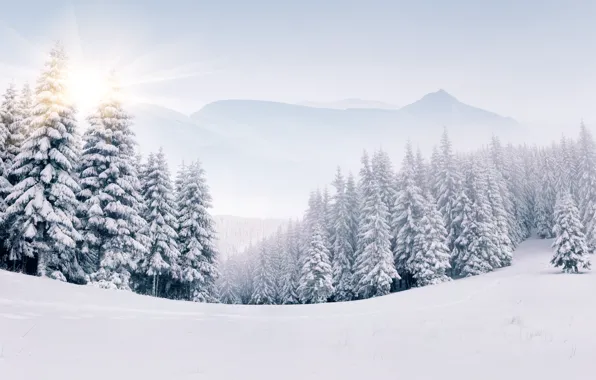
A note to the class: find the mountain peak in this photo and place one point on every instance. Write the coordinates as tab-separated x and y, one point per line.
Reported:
440	96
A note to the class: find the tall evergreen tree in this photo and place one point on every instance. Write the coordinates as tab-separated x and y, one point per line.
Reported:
41	207
263	293
430	260
291	265
343	258
10	116
570	246
227	289
25	102
160	213
408	212
316	279
198	260
111	203
374	271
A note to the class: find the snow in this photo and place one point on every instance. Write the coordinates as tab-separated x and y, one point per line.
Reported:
527	321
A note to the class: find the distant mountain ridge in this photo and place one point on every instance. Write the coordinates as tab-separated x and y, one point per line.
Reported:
262	158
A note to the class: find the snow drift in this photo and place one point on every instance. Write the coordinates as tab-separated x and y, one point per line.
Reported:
527	321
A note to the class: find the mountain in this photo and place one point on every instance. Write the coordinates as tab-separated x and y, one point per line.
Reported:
263	158
351	103
526	321
443	108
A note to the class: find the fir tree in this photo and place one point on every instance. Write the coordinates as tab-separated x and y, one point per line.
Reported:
160	214
500	216
374	271
41	207
408	212
570	246
343	258
111	203
10	116
25	110
291	265
198	261
430	260
263	293
316	276
226	288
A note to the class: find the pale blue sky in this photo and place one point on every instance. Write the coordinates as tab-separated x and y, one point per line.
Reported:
532	60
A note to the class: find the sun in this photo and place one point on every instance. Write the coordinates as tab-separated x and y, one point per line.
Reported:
87	86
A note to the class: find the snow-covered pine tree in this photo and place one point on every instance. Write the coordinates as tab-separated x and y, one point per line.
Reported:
586	181
161	260
263	293
25	110
501	217
353	206
343	258
421	170
545	197
385	177
110	200
571	250
408	211
448	186
461	232
316	278
41	213
374	270
10	116
276	257
289	295
226	284
431	257
483	252
196	236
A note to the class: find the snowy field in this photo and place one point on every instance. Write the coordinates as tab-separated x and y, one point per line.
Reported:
528	321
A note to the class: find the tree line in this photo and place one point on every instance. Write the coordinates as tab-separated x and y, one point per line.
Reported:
87	209
455	215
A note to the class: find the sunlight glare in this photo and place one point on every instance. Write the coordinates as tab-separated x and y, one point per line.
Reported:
87	87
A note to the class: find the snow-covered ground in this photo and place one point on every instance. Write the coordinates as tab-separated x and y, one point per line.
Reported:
528	321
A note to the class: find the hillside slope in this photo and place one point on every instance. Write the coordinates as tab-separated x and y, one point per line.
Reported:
523	322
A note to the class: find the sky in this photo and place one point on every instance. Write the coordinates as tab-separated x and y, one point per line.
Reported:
531	60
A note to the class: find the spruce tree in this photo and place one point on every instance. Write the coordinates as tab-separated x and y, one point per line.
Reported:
374	271
25	104
570	246
448	185
343	258
196	236
227	289
263	293
316	278
408	212
10	116
461	233
161	260
430	261
291	265
111	203
500	216
41	207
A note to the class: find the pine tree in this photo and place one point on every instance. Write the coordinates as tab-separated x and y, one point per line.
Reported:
461	233
160	214
570	246
10	116
587	179
198	260
263	293
383	172
111	203
483	253
41	207
291	266
374	271
546	197
448	186
408	212
343	258
25	105
226	288
500	216
430	260
353	209
316	277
